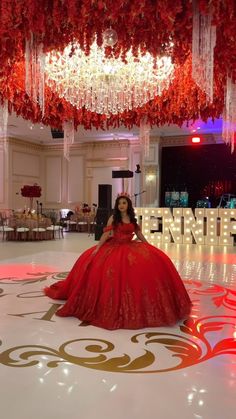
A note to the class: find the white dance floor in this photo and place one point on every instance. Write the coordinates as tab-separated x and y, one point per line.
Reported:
59	368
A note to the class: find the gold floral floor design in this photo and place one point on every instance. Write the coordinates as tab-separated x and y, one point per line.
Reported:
210	332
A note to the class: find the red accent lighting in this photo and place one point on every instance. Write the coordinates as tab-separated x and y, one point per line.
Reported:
196	140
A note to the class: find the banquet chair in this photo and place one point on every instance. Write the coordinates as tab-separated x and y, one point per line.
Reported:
5	229
22	233
82	224
71	225
91	226
55	229
39	232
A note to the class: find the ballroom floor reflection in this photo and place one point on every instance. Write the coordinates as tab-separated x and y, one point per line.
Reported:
55	367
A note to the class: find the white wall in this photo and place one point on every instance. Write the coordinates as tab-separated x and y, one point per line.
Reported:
53	184
25	168
25	163
75	179
137	180
66	183
151	176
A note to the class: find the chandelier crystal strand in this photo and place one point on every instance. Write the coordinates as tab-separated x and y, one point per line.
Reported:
3	118
30	62
229	114
41	78
144	136
203	44
3	122
34	71
69	136
106	85
28	66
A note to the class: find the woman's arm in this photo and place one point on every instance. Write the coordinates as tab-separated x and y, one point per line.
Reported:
140	235
105	236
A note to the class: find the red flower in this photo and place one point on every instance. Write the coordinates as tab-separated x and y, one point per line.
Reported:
85	210
30	191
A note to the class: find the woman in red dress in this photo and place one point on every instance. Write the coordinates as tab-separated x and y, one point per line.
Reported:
123	283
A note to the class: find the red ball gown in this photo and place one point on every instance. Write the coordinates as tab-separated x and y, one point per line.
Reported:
127	284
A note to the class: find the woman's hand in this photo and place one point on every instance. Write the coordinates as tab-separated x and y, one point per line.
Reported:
141	236
94	252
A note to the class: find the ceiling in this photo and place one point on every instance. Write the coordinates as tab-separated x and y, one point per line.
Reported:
19	128
160	28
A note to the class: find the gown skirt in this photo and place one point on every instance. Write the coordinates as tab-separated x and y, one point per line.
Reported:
127	284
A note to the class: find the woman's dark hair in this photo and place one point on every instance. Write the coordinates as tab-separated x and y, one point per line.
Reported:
69	214
130	211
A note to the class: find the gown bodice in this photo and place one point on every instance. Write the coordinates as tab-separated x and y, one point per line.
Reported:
123	232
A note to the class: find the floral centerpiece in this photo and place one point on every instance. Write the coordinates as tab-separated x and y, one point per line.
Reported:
31	192
86	209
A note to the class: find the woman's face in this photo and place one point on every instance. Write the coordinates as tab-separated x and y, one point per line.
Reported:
122	205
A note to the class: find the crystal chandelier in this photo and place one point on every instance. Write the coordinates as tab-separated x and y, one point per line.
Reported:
106	85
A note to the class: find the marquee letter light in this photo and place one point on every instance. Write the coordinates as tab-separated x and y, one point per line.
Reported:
212	224
227	226
207	226
193	227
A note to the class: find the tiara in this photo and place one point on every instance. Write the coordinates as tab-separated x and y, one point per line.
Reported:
125	194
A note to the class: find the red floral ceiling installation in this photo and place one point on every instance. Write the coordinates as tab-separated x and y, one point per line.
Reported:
146	25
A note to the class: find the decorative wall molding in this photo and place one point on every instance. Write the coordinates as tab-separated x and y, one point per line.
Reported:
155	139
111	159
26	164
53	184
151	169
163	141
185	140
26	144
111	144
92	144
75	179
